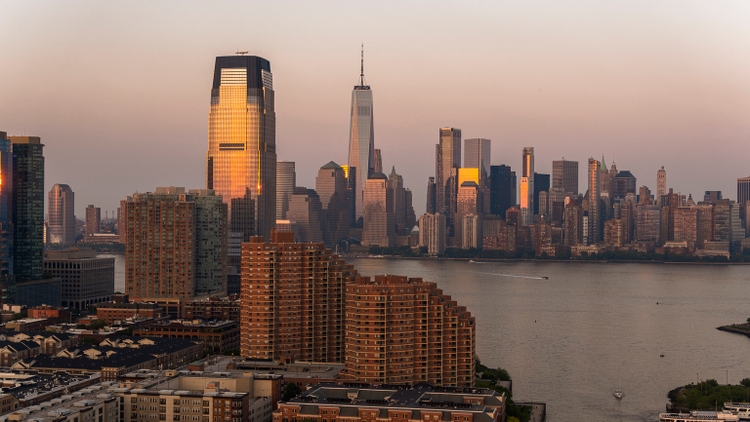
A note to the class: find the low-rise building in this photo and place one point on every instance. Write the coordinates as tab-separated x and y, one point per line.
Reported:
92	404
216	336
86	279
221	308
27	324
365	403
117	311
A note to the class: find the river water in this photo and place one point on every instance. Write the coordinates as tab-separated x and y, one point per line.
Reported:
568	339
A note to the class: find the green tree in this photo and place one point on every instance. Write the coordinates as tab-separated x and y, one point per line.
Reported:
746	381
98	324
291	391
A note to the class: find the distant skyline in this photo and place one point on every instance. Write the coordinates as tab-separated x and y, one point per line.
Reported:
119	91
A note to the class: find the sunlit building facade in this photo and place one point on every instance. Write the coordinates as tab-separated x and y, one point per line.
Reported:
241	157
526	187
61	226
447	162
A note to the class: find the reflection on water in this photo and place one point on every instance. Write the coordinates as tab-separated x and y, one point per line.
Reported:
567	339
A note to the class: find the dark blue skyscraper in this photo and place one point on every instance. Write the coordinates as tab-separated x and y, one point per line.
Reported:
502	192
28	207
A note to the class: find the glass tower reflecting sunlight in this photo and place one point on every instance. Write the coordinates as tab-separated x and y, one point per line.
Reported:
361	138
241	157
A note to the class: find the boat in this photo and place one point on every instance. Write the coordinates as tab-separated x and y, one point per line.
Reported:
698	416
618	391
545	277
741	409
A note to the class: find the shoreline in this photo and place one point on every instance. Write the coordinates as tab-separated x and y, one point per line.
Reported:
732	329
576	261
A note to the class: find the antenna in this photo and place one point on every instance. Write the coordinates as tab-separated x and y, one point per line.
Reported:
362	66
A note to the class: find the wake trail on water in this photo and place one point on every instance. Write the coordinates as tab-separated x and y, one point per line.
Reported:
511	275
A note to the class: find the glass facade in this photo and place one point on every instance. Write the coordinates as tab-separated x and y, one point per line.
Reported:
28	204
361	141
241	155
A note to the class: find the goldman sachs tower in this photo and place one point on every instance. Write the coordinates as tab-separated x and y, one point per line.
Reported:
361	139
241	157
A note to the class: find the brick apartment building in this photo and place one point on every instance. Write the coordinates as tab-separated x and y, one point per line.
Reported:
405	331
292	298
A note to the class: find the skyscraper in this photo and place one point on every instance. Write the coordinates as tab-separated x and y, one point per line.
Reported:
331	188
477	154
526	187
361	138
447	159
565	176
743	195
501	189
6	212
241	157
286	180
541	184
61	227
28	206
594	217
661	184
379	220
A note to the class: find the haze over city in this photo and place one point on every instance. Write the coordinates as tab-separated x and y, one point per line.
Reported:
119	92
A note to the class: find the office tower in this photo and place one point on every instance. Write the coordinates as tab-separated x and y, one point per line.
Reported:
431	207
573	225
705	230
686	225
477	154
613	232
378	161
28	206
175	244
712	196
447	160
306	213
565	176
541	184
622	184
471	231
286	180
644	196
647	223
743	190
432	233
331	188
361	138
292	300
468	202
241	157
501	189
86	279
436	338
61	227
594	211
513	188
401	207
661	184
6	217
526	187
379	222
93	220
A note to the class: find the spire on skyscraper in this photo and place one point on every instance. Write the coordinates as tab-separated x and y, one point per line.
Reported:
362	66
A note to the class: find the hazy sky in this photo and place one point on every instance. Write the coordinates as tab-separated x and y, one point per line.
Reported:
120	91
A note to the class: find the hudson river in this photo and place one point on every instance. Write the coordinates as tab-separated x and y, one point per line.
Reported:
566	340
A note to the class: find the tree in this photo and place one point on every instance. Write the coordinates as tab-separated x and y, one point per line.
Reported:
98	324
291	391
745	382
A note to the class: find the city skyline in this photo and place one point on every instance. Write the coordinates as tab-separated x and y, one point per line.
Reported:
125	107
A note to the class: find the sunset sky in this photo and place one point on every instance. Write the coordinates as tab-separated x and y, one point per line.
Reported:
120	91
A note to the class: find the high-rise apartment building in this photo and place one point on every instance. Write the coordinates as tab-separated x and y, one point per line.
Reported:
331	188
361	139
594	226
286	180
61	226
306	213
406	331
175	244
6	214
241	157
379	221
648	223
477	154
526	187
93	220
565	176
661	184
447	161
28	206
292	298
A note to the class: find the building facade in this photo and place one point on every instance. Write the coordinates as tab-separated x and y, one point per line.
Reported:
432	233
405	331
447	161
286	180
61	226
85	279
565	176
526	187
93	220
292	297
379	220
241	157
361	140
28	206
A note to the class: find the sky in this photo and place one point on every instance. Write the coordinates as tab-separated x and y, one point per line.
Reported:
119	92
